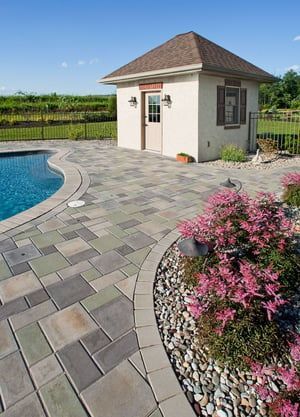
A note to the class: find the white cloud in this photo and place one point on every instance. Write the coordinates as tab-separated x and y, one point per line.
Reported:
297	38
64	64
93	61
2	88
81	62
295	67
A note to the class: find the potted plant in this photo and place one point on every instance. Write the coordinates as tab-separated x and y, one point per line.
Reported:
184	157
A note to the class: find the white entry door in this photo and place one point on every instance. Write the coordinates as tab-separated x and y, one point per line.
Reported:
153	134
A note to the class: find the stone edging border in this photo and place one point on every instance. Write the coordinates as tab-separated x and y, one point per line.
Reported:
167	390
76	182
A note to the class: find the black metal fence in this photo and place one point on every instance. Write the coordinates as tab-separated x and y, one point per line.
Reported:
58	125
280	128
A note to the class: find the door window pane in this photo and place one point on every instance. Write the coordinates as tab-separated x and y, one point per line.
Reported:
154	109
232	96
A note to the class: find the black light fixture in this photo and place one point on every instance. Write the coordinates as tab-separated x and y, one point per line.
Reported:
229	183
166	100
191	247
132	101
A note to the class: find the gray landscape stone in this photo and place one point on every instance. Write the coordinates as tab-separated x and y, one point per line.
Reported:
45	370
70	291
13	307
7	340
15	382
79	366
116	352
109	261
139	240
30	406
115	317
37	297
95	341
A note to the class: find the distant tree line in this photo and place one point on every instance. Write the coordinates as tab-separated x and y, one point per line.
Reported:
283	94
29	102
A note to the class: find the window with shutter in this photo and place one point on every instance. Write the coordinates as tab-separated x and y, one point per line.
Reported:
220	105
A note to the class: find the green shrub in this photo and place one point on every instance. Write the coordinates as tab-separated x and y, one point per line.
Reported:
292	145
75	132
112	106
190	267
232	153
291	195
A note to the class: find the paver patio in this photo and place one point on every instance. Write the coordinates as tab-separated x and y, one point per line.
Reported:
68	343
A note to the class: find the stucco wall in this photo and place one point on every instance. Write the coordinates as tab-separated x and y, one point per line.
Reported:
211	136
179	121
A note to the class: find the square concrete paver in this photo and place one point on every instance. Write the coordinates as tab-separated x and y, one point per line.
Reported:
67	325
19	286
22	254
47	264
60	400
102	297
70	291
109	262
13	307
37	297
73	246
79	366
30	406
4	270
122	392
15	382
33	314
106	243
33	343
164	383
115	317
7	340
116	352
138	240
47	239
45	370
95	341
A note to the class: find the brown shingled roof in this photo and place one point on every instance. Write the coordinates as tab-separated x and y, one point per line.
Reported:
189	49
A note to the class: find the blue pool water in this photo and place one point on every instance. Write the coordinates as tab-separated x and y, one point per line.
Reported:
25	180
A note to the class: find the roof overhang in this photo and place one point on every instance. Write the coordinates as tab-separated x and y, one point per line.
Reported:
208	69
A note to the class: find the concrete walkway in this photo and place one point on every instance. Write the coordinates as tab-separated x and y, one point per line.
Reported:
68	344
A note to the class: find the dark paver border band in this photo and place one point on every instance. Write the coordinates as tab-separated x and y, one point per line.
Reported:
76	182
151	346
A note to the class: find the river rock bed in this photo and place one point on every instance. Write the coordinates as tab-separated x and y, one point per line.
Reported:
275	161
212	389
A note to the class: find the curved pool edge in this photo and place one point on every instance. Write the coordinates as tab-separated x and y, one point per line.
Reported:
76	182
158	367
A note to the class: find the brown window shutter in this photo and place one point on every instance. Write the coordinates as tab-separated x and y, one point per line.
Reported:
220	105
243	106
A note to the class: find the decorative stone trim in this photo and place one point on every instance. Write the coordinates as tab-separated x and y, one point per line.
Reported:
76	182
166	388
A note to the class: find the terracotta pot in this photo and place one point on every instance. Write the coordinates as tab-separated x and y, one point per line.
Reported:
183	158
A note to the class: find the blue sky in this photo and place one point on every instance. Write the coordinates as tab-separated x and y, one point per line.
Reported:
65	46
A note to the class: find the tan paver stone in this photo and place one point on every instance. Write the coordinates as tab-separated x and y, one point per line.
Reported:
60	400
176	406
33	314
47	264
144	301
101	298
107	280
143	287
150	228
74	269
45	370
51	224
47	239
18	286
73	246
50	279
7	340
130	270
30	406
137	361
144	318
106	243
155	358
164	383
138	257
33	343
131	394
67	325
91	274
27	234
127	286
148	336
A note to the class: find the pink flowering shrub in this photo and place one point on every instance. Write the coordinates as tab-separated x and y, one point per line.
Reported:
243	284
291	184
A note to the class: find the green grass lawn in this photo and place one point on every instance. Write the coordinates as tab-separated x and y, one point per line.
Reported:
277	127
98	130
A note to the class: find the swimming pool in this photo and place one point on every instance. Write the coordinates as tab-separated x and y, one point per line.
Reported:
25	180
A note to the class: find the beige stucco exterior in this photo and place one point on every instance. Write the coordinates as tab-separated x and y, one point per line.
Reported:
189	123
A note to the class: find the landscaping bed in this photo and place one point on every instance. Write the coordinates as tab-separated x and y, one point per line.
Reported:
278	161
230	321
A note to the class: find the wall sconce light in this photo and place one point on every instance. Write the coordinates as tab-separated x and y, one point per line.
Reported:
132	102
167	100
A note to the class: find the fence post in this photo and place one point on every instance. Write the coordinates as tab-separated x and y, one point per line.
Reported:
249	132
85	126
42	121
